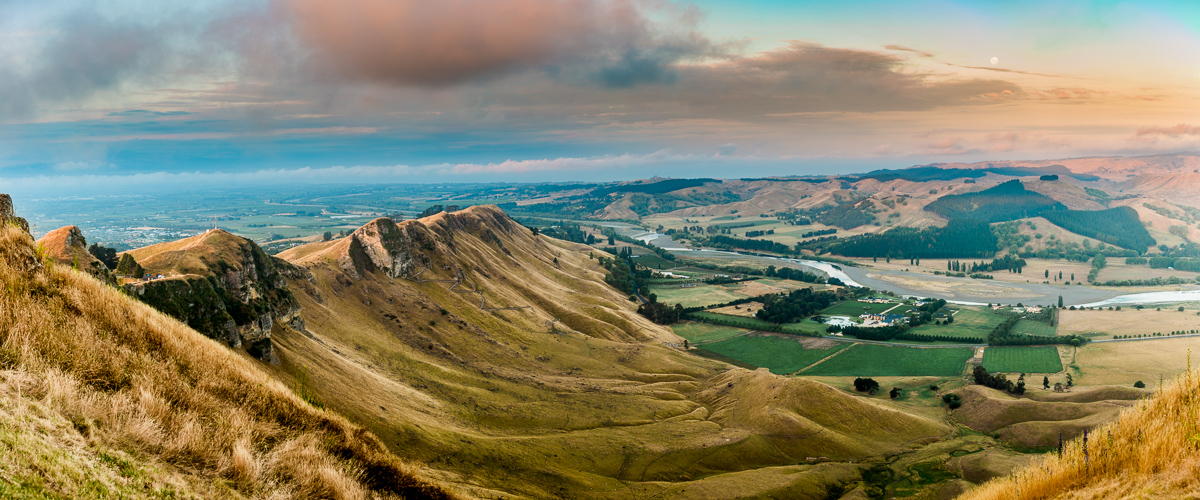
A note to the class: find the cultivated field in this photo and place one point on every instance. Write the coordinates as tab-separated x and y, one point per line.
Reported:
868	360
700	333
746	310
1127	321
969	322
782	355
1030	327
755	323
697	296
1022	359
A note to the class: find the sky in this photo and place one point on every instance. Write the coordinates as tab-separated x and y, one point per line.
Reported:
112	92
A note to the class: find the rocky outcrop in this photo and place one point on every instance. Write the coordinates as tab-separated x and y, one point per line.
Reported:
8	215
401	250
233	291
67	246
383	245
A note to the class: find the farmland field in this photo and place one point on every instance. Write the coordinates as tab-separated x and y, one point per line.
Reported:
969	322
868	360
701	295
853	308
755	323
1042	359
700	333
779	354
1029	327
654	261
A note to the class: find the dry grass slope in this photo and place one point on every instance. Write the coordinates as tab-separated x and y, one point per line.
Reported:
141	387
502	406
1151	451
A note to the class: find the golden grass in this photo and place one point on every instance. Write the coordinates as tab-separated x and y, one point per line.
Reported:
132	379
1151	451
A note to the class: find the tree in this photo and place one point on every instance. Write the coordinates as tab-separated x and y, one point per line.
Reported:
327	236
535	231
1058	387
894	393
1060	301
867	385
1139	384
685	343
1045	382
612	240
106	255
1070	381
129	267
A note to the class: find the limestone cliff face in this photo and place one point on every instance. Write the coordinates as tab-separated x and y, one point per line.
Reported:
67	246
224	286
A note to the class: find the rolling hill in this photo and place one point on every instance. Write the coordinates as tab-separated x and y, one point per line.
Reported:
102	396
500	357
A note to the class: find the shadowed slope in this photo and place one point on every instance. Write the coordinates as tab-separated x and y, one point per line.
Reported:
172	411
440	336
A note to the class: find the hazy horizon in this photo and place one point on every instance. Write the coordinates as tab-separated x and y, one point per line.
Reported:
549	91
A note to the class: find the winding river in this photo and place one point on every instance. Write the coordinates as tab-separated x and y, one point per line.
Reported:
964	291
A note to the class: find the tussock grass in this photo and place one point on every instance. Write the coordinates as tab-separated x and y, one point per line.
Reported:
1151	451
131	379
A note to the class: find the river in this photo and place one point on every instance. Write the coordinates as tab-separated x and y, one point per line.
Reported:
964	291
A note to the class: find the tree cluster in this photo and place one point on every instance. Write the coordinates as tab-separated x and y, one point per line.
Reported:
1000	203
1116	226
796	305
959	238
999	381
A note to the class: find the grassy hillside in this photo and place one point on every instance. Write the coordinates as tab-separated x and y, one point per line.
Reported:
511	402
103	397
1150	451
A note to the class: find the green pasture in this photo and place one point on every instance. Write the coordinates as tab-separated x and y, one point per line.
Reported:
702	333
1030	327
870	360
777	353
1022	359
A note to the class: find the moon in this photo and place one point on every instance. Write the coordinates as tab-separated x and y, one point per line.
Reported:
995	60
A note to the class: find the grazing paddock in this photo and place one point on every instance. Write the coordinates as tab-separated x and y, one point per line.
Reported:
697	296
869	360
1030	327
701	333
1023	359
1128	321
969	322
1123	363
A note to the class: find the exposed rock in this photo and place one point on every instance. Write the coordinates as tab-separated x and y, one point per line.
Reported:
224	286
67	246
8	215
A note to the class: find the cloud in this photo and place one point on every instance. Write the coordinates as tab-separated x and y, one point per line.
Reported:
809	77
143	112
1173	132
327	131
419	42
906	49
